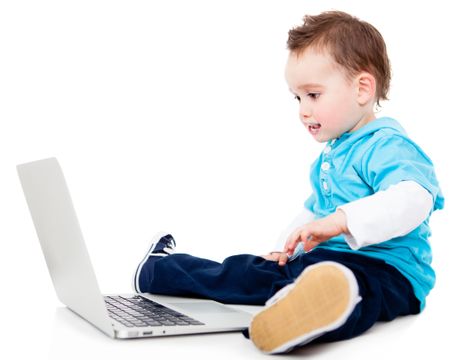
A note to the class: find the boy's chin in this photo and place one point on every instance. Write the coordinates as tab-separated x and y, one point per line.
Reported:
322	139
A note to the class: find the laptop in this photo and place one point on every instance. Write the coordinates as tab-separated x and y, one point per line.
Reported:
119	316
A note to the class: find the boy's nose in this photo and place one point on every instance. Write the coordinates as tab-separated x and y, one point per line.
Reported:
305	112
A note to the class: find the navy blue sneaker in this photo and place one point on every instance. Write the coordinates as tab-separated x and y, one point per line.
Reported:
163	244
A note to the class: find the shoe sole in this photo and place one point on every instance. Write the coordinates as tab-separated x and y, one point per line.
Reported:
321	300
135	279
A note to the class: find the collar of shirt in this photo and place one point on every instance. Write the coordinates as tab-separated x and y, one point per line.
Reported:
348	139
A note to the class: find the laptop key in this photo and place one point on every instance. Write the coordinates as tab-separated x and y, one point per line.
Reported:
168	323
140	312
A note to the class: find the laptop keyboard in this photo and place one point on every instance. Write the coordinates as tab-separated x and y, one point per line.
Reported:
137	311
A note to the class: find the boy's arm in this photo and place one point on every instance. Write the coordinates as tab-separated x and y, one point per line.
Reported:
387	214
370	220
318	231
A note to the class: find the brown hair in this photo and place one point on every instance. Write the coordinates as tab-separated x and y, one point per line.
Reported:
354	44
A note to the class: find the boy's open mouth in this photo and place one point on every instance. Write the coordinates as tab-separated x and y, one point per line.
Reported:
313	128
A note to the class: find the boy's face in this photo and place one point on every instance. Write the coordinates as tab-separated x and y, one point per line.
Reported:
328	99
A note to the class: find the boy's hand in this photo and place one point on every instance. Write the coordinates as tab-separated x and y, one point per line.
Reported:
318	231
280	257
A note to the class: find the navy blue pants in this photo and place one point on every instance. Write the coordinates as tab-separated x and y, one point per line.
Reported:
252	280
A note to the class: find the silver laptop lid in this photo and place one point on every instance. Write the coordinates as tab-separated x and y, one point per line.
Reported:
61	241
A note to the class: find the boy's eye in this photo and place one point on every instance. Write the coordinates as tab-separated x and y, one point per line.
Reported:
314	96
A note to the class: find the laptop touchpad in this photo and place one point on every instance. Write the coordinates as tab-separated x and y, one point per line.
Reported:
204	307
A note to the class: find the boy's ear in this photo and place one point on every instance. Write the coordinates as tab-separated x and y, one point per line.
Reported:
367	88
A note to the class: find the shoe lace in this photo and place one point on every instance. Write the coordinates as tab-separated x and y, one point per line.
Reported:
169	250
169	245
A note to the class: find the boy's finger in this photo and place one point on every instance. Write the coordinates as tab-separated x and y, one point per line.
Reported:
282	259
292	241
287	246
293	244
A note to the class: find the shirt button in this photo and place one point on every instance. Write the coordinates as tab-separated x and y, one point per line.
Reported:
325	185
325	166
326	150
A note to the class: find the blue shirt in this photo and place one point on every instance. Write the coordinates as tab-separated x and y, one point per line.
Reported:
368	160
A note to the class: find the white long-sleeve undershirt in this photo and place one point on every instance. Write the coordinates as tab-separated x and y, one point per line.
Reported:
382	216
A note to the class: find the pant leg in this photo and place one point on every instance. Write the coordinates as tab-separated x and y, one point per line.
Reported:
248	279
385	293
240	279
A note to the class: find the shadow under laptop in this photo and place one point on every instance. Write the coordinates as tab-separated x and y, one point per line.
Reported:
75	338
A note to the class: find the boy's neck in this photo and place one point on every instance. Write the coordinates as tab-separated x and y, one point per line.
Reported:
365	119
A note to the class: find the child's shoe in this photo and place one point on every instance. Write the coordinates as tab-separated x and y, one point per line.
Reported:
319	301
163	244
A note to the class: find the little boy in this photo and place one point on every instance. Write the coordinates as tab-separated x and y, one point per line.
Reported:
364	229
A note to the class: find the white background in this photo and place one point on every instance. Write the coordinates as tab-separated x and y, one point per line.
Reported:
174	115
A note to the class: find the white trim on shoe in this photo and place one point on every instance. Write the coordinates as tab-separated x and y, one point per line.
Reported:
135	279
307	337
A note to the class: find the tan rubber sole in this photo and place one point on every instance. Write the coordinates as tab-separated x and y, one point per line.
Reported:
320	297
